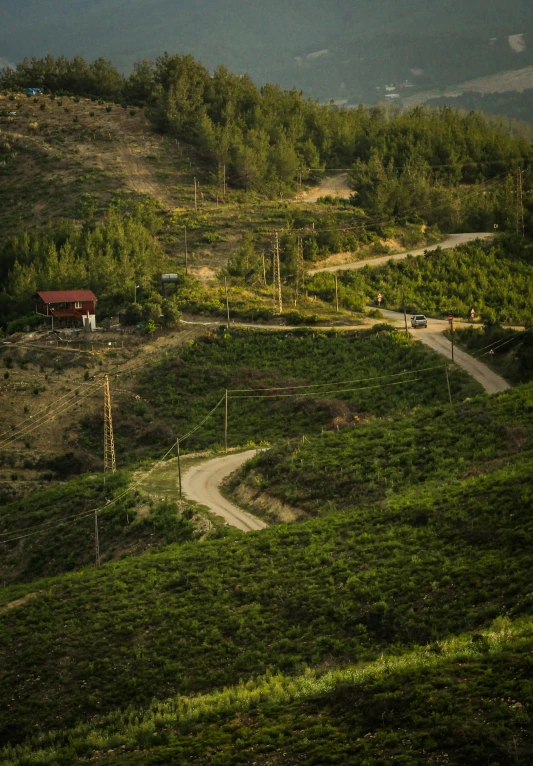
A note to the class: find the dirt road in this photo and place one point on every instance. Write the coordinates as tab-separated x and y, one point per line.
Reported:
452	241
201	484
433	337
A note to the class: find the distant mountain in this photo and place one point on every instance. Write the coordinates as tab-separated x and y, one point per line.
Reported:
342	49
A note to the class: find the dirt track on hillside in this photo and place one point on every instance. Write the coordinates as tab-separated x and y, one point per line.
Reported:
452	241
201	484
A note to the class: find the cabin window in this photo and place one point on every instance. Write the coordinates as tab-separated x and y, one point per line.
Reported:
77	305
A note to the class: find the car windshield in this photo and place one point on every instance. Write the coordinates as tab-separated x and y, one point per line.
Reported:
420	316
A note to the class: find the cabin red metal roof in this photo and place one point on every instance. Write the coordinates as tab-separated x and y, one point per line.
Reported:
66	296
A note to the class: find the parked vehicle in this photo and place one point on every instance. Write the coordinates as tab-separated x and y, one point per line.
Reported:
419	320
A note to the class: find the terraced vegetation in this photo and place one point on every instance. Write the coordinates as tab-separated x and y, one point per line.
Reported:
391	621
375	460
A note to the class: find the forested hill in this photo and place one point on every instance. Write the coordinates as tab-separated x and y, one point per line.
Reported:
342	49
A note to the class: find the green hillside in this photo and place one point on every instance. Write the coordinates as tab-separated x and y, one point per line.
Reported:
495	280
466	701
373	461
324	593
390	621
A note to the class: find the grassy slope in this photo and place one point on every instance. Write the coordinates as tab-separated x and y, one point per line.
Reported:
182	389
196	618
375	460
62	518
464	701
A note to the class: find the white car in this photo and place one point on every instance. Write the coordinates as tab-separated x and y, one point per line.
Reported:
419	320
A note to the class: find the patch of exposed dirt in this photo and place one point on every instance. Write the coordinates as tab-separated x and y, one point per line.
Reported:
266	506
18	602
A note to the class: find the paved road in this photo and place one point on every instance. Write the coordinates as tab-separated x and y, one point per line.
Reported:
433	337
201	483
448	244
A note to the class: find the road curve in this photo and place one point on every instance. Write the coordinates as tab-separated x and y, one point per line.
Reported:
201	484
453	241
433	337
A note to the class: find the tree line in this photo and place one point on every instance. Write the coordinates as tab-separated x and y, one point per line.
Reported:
110	258
267	138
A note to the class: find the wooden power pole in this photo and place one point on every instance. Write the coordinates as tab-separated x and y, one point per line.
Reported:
109	443
277	275
300	269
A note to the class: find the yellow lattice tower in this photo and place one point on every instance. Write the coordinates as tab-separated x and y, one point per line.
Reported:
109	443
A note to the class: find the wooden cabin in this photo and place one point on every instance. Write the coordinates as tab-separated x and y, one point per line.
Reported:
68	305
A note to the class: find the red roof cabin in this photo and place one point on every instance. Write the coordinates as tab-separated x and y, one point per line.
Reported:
78	305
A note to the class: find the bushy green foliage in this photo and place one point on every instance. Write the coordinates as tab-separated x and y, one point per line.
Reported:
493	278
266	137
65	540
185	388
200	617
374	460
469	696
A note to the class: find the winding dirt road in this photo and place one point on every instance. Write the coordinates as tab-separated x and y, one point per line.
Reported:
434	338
452	241
201	484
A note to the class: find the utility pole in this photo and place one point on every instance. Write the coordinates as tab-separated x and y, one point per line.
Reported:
300	272
277	275
224	180
186	253
226	425
520	227
264	271
337	293
227	298
405	316
179	467
96	540
450	320
195	195
109	443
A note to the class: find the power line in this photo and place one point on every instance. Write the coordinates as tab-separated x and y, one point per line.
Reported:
41	412
84	514
335	391
338	382
59	411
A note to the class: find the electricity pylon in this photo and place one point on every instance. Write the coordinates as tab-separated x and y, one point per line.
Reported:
109	443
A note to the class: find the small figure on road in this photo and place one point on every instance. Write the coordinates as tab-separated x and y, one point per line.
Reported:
472	314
